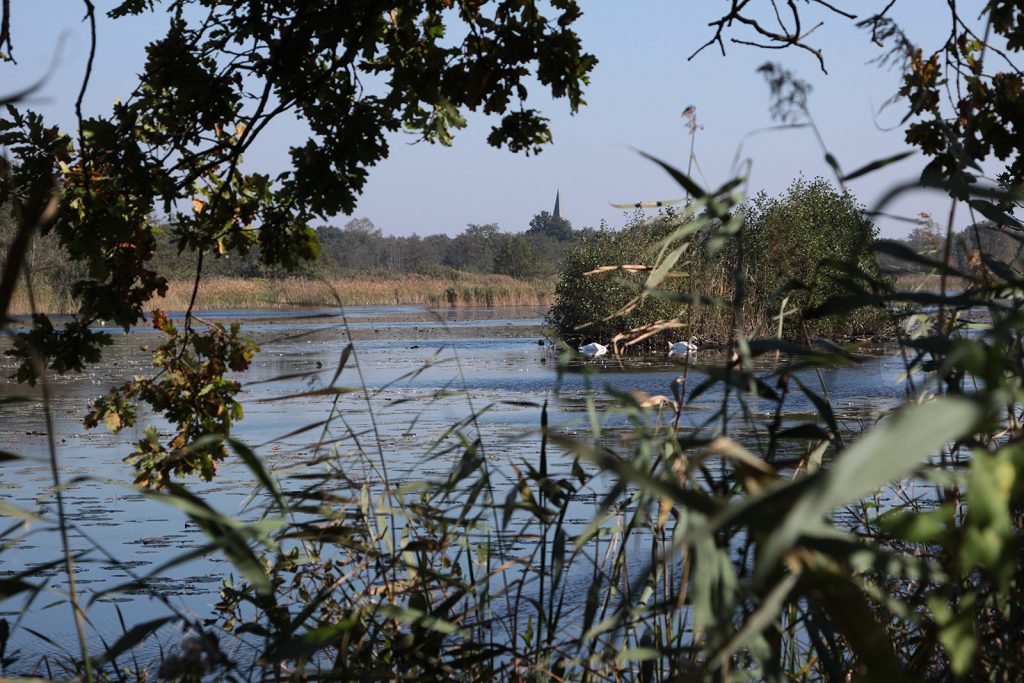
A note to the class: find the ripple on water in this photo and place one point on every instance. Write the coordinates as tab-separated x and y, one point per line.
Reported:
169	587
165	541
126	564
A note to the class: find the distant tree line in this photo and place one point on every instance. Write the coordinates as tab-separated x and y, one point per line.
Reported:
360	246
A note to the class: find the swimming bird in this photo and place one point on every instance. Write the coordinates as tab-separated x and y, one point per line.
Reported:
682	348
593	350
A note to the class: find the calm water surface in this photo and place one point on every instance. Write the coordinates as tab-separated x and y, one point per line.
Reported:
423	370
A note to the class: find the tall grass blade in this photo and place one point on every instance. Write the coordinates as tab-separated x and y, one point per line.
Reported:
256	467
893	449
877	164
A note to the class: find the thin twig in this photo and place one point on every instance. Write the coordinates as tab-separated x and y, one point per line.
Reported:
90	15
5	29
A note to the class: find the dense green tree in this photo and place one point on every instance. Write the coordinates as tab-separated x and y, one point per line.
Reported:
473	250
588	304
431	252
516	257
363	225
548	225
811	243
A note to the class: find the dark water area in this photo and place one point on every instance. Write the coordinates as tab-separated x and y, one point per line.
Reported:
423	371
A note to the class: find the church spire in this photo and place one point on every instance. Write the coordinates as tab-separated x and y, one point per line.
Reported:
556	212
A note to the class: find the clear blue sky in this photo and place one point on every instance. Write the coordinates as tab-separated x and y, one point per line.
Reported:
635	100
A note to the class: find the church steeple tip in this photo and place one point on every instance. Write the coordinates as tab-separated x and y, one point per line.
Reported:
557	213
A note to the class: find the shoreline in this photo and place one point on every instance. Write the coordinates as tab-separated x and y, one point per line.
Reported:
465	290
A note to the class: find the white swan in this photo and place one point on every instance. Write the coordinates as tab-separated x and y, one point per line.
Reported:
682	348
593	350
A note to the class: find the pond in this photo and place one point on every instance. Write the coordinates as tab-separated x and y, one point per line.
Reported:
423	371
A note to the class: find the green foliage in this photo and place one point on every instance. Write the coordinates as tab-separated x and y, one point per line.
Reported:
740	547
544	224
193	393
200	104
516	257
474	248
358	248
69	349
588	304
811	244
805	247
209	87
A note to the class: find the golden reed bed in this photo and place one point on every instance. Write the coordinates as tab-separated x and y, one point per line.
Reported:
468	290
221	293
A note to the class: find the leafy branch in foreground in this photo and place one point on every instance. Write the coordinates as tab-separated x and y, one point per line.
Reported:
193	393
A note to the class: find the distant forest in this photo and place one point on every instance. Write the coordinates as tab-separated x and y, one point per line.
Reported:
361	247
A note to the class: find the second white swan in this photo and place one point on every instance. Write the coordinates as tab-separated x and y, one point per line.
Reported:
682	348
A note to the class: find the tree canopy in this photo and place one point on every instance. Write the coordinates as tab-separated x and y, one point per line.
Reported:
555	227
225	71
211	85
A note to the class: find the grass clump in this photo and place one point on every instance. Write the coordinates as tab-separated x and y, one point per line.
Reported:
811	244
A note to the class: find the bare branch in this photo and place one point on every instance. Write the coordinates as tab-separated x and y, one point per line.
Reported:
787	35
5	29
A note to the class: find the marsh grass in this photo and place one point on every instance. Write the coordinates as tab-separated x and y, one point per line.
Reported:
460	290
928	282
742	547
